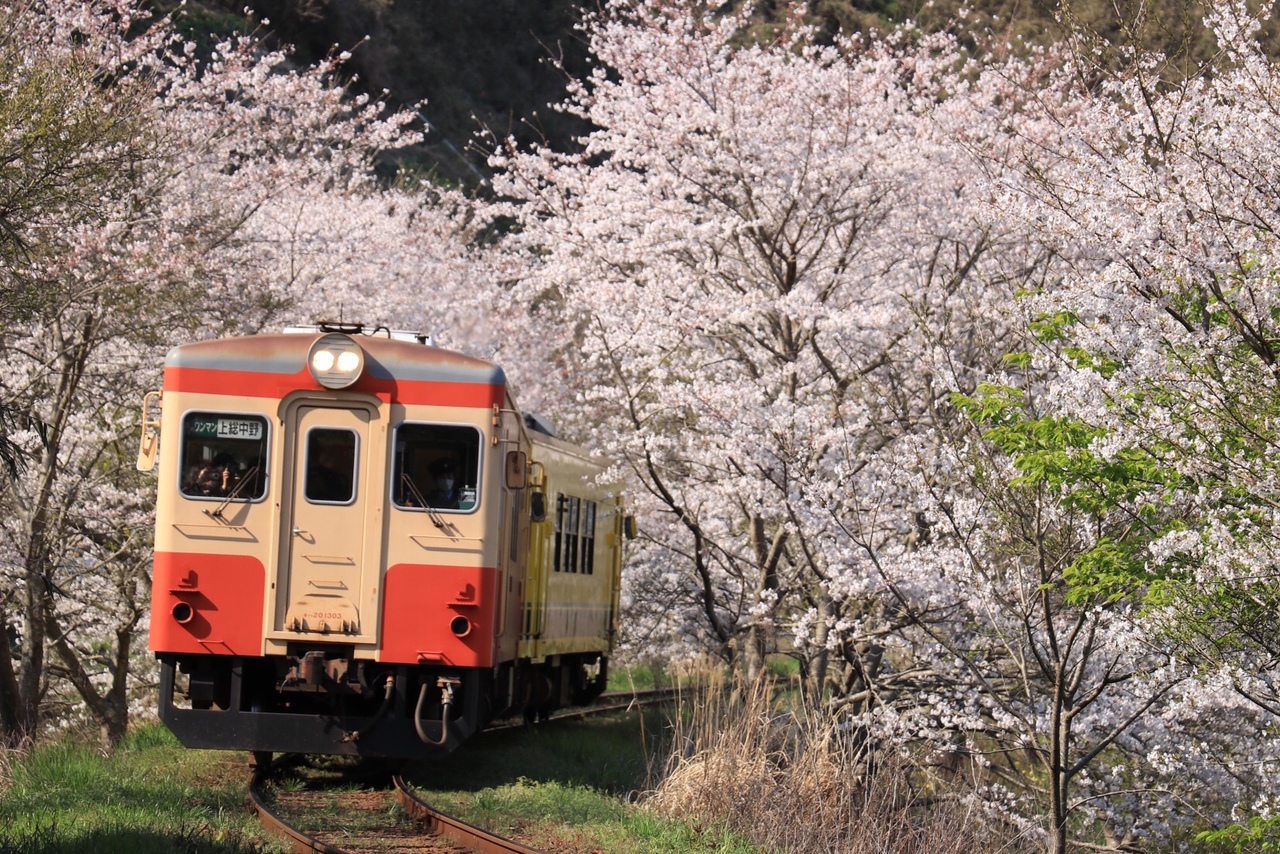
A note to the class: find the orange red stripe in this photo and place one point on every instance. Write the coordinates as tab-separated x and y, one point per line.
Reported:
273	385
221	597
420	603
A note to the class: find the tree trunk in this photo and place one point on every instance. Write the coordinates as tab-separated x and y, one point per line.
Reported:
24	688
11	725
816	681
760	634
37	600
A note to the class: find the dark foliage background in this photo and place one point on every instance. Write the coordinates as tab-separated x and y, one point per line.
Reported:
489	64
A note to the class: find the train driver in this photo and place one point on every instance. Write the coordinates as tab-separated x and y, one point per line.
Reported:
445	494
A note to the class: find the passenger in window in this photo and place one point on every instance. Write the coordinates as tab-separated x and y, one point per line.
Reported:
198	480
226	473
213	479
445	493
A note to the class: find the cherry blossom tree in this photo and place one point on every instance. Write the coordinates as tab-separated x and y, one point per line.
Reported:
243	197
1136	443
787	280
1170	330
749	256
64	141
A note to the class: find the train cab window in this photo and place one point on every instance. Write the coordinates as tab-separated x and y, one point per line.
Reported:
436	466
331	465
223	456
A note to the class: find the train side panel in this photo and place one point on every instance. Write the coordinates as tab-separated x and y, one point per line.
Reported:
574	567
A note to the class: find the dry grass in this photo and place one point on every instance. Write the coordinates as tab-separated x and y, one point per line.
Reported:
6	770
9	757
794	783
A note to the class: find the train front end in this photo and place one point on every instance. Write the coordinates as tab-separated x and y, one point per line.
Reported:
339	526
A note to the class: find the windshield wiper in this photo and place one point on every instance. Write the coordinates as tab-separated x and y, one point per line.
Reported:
436	518
244	481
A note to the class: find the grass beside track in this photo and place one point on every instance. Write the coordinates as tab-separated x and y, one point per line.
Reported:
563	787
151	796
566	787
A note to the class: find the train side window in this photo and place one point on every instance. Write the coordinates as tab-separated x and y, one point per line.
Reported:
574	535
571	535
331	465
223	456
588	537
436	466
557	536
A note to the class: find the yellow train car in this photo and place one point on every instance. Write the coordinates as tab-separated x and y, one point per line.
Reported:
574	570
361	548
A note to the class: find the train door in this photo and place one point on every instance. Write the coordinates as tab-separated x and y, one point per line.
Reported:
323	571
514	549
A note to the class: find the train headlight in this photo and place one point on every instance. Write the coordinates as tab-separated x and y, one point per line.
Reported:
348	361
335	360
322	360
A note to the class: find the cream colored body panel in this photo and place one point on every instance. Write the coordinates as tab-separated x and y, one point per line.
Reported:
340	555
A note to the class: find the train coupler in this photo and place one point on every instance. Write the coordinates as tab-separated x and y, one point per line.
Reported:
316	672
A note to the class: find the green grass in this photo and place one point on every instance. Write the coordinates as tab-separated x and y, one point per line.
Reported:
566	787
556	817
638	677
603	753
783	667
151	795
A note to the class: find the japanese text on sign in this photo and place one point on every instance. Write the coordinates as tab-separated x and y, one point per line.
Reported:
230	428
226	428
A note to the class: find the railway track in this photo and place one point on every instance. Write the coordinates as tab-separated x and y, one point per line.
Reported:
433	825
618	701
431	829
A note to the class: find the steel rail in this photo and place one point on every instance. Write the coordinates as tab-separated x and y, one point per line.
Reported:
619	701
301	842
434	822
641	694
455	830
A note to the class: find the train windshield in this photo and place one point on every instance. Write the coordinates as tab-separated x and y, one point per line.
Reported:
224	455
437	466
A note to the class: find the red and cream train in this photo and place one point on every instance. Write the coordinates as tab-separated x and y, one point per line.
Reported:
363	547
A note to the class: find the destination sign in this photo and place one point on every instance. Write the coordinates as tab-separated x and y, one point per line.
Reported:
212	427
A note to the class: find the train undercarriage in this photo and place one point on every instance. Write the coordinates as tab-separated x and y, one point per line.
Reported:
325	701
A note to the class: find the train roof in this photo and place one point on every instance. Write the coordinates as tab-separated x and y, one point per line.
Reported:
286	355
